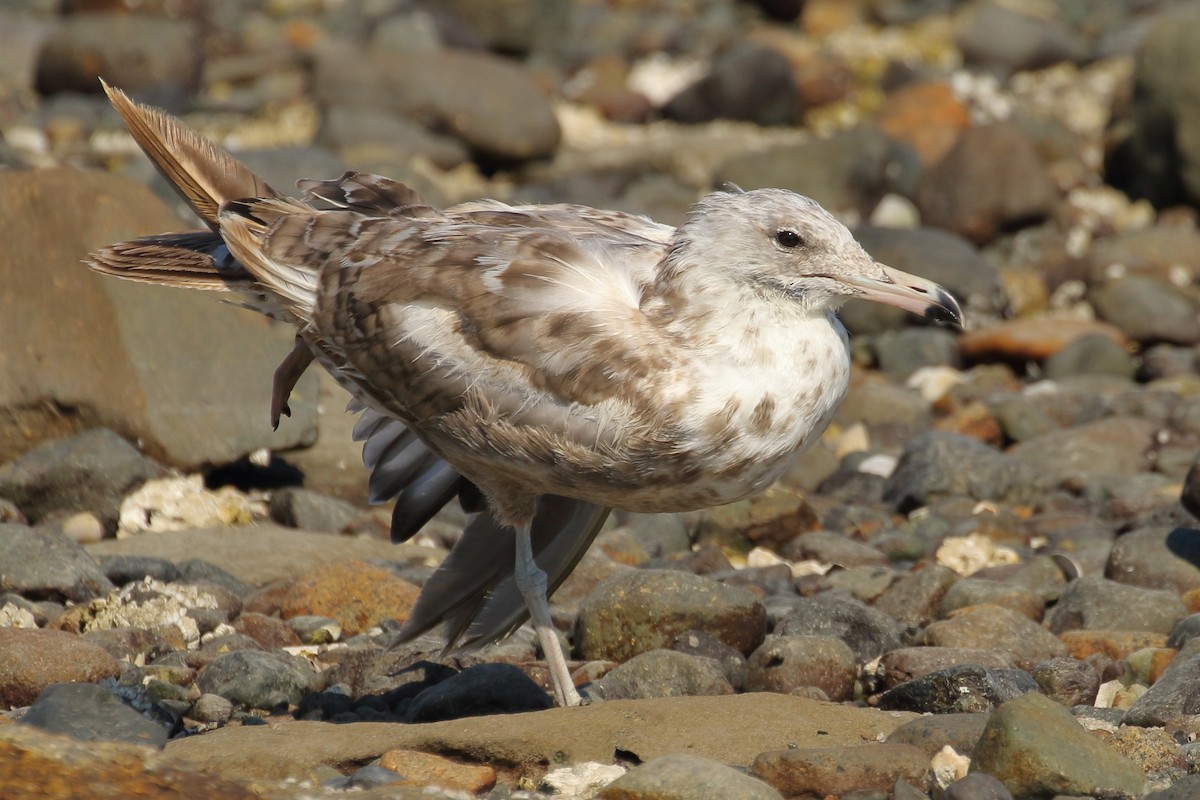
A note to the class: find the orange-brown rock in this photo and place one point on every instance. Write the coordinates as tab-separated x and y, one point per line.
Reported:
426	769
1031	339
925	116
1114	644
32	659
355	593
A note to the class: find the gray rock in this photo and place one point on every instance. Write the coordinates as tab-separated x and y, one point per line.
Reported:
211	708
991	180
44	564
663	673
705	645
130	569
1020	418
1160	157
357	132
1095	603
846	172
1157	558
784	664
115	352
143	54
315	630
135	645
1090	355
1037	749
197	570
932	732
1116	446
1184	631
915	598
89	472
977	787
642	610
683	776
488	103
941	464
1185	788
1068	681
92	713
750	81
509	26
832	548
1148	310
1008	38
966	688
479	691
979	591
867	631
901	353
311	511
1175	694
257	679
995	628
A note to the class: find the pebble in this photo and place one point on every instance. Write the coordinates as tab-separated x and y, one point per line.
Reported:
867	632
1148	310
45	563
1157	558
907	663
1173	695
787	663
426	769
1096	603
354	593
32	660
642	610
995	628
837	770
91	712
960	689
662	673
312	511
686	777
257	679
938	464
1036	748
934	732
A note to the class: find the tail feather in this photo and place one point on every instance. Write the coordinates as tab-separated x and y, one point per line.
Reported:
203	174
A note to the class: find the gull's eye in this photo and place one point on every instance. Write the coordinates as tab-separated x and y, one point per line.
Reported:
788	238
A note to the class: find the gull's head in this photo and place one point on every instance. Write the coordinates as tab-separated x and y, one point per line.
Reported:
784	245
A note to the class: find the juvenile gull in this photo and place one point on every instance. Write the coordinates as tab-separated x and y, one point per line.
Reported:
542	363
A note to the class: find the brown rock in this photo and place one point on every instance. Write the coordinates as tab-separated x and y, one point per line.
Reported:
1031	339
187	377
270	632
32	659
825	771
994	628
41	766
426	769
1114	644
926	116
992	179
730	728
355	593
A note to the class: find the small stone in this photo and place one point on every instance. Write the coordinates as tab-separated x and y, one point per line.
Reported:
835	771
31	660
977	787
663	673
1036	748
784	664
1068	681
43	563
1175	694
868	632
354	593
995	628
908	663
1148	310
271	633
938	464
1157	558
1032	339
83	528
89	712
916	598
966	688
256	679
934	732
310	511
643	610
683	776
1096	603
211	708
426	769
1090	355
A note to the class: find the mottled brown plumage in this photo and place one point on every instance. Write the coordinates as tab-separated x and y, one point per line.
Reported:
561	359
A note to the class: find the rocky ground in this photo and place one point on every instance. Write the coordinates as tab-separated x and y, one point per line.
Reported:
981	583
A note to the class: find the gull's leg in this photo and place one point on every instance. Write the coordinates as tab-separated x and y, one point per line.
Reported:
531	581
286	376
